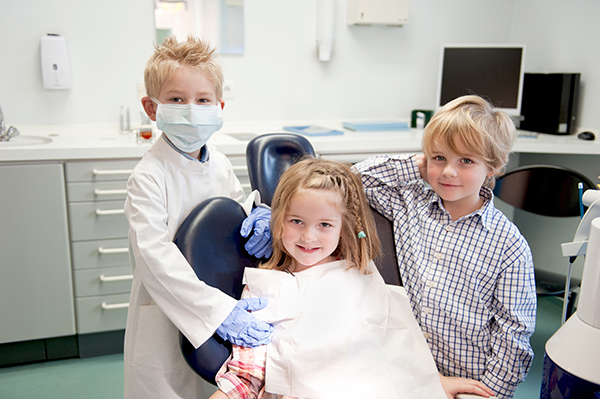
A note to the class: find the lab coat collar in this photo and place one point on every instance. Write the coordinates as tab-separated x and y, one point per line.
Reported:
164	150
203	151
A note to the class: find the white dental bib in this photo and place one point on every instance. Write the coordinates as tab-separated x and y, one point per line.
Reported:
340	334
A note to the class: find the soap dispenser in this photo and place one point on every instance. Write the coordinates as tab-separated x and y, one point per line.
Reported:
55	66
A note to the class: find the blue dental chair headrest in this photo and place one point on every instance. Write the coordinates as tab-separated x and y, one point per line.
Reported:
268	156
210	240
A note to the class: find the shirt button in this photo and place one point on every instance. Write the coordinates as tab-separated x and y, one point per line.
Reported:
431	284
438	256
426	310
427	335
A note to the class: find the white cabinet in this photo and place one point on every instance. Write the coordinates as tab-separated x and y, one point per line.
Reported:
36	296
96	192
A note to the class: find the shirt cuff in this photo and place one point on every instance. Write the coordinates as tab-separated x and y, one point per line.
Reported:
503	390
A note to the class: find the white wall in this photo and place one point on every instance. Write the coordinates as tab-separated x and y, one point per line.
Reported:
562	36
375	72
108	42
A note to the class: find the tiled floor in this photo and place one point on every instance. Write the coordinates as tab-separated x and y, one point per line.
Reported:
102	377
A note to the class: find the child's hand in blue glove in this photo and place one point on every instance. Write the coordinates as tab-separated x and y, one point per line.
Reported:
258	222
244	329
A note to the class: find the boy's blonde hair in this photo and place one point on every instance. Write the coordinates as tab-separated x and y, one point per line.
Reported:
472	123
321	174
171	55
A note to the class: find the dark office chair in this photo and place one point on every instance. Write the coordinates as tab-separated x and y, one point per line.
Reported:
210	240
268	156
549	191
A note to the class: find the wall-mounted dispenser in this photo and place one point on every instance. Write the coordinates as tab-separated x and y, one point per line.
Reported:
55	65
378	12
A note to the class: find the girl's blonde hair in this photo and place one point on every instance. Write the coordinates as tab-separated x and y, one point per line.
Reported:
171	55
321	174
472	123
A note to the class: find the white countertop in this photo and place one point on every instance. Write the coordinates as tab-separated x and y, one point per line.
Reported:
76	142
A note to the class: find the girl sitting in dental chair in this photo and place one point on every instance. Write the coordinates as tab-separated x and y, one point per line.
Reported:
340	332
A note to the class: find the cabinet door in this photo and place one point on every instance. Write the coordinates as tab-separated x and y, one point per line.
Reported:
36	294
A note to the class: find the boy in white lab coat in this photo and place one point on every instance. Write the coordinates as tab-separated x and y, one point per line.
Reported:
184	87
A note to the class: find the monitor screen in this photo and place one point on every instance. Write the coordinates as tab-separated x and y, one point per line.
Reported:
494	72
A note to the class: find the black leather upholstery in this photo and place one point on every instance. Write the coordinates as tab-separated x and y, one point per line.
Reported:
209	239
268	156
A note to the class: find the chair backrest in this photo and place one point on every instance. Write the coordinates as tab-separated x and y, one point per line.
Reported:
546	190
386	262
210	240
268	156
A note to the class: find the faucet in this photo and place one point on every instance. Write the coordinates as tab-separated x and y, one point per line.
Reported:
6	134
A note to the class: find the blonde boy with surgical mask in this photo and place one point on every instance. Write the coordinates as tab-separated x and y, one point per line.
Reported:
184	96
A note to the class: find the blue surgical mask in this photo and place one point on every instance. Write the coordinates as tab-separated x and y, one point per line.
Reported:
188	126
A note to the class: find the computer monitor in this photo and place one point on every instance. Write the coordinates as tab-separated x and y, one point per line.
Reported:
494	72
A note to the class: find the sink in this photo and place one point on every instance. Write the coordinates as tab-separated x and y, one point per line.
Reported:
25	140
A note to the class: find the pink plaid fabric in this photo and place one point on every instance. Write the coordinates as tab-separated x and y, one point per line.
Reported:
245	372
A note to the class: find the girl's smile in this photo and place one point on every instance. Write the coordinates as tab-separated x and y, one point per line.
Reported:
312	228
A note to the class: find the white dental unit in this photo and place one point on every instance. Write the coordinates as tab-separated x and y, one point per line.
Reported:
572	358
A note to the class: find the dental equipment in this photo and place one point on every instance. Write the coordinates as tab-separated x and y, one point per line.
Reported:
571	361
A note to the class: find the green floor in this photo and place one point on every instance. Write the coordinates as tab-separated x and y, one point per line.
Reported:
102	377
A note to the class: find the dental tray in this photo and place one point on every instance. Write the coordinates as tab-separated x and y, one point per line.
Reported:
376	126
312	130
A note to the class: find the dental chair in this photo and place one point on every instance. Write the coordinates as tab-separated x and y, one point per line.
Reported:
209	238
552	191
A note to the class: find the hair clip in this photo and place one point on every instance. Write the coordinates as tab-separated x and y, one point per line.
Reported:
361	234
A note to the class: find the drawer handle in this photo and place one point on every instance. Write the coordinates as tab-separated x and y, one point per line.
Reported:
110	192
248	185
104	212
112	172
239	168
113	250
123	277
112	306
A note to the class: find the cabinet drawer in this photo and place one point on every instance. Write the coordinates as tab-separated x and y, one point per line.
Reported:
101	313
99	170
239	165
241	172
103	281
97	191
97	220
100	253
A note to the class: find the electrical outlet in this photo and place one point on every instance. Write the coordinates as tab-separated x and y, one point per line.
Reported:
228	90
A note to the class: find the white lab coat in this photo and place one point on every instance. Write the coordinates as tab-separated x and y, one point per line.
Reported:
166	295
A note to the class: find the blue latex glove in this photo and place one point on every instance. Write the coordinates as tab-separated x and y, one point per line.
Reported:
258	222
243	328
